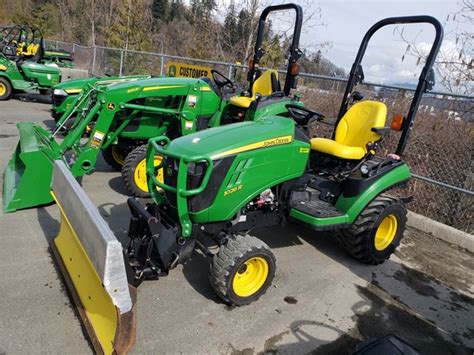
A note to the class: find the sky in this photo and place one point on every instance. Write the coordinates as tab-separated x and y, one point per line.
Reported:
343	23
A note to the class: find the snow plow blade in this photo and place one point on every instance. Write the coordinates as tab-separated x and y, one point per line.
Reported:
92	263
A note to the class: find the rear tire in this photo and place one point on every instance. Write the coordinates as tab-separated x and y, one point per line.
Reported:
114	156
377	232
242	270
134	172
5	89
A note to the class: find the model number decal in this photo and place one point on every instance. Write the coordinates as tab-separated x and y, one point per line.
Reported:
232	190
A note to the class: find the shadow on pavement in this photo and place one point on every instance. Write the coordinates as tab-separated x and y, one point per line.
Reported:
430	315
33	97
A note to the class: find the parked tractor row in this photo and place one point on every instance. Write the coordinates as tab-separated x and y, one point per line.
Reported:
206	162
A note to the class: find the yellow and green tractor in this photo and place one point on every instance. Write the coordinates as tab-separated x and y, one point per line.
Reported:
211	188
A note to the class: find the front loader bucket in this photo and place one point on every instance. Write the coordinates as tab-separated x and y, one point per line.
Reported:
91	261
27	177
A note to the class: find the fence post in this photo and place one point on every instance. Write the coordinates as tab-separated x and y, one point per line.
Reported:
121	63
230	72
57	45
162	64
93	60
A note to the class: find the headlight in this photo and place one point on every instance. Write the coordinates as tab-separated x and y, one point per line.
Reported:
59	92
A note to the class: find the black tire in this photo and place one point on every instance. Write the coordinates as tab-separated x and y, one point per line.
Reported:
360	238
130	164
111	156
5	89
230	261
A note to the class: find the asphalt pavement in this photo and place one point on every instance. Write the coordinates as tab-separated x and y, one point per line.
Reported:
321	301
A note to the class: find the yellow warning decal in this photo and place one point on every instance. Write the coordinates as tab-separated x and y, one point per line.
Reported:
176	69
262	144
304	150
97	139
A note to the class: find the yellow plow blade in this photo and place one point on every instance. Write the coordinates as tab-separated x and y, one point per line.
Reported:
91	261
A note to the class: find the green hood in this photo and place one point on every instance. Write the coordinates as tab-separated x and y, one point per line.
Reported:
232	139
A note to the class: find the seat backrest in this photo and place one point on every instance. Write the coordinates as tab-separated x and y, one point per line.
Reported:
265	84
354	129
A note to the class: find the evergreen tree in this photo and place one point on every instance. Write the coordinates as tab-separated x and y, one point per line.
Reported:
230	28
159	10
176	10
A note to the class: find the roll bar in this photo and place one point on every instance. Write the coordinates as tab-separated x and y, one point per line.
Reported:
425	81
295	53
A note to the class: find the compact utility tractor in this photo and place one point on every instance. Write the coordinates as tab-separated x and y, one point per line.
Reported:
119	119
221	183
64	93
216	185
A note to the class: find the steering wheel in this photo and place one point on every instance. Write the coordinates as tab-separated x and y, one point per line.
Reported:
302	115
220	79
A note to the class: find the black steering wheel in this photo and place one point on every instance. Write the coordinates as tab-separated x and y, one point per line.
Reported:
221	80
302	115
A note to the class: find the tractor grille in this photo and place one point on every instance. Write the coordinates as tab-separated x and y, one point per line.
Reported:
58	99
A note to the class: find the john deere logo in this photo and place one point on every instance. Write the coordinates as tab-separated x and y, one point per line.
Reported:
111	106
172	70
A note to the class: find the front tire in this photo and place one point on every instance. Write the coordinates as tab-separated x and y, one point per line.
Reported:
134	172
242	270
114	156
377	232
5	89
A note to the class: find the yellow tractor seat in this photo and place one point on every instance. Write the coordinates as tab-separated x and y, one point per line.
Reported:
32	49
264	85
354	131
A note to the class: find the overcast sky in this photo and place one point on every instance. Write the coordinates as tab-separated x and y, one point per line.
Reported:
347	21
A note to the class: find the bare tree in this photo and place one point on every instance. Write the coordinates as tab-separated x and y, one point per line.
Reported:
455	62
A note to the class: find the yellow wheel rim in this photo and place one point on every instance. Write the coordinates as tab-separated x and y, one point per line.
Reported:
118	157
3	89
386	232
250	277
140	174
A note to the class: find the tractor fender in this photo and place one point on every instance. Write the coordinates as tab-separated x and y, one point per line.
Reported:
354	205
91	261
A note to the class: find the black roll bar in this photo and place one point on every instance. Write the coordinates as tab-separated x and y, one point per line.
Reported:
295	53
423	80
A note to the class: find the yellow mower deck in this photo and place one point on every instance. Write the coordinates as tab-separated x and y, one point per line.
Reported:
91	261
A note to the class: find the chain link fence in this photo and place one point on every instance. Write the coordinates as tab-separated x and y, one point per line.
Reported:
440	151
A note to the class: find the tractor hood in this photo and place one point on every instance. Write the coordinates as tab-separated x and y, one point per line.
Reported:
40	68
156	84
77	85
44	75
236	138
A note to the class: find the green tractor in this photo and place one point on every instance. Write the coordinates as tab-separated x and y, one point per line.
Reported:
20	72
65	93
29	44
119	119
223	182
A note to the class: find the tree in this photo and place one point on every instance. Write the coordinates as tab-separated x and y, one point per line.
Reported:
159	10
454	65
